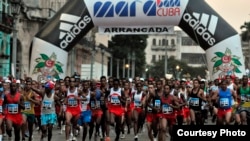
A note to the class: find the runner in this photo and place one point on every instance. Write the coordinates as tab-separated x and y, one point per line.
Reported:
196	97
48	111
224	97
116	111
85	116
169	103
29	112
13	102
73	110
150	112
95	106
128	110
244	104
138	112
1	111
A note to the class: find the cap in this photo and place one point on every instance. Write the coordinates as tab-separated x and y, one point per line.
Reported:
50	85
183	80
18	81
7	81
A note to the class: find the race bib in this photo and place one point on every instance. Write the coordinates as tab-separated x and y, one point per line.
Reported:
224	102
245	101
72	102
137	103
243	98
27	105
47	104
84	105
166	109
92	105
98	104
12	108
150	109
157	104
194	102
115	100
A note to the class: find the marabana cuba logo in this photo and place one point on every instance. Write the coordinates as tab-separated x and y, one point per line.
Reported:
48	66
226	63
129	8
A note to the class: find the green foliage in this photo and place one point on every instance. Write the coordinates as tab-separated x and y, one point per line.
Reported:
158	69
122	47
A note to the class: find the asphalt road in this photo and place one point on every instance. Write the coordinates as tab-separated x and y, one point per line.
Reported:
143	136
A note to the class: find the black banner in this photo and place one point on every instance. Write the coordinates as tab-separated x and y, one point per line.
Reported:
204	25
68	26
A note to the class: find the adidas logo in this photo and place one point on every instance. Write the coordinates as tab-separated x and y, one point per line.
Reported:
204	25
70	27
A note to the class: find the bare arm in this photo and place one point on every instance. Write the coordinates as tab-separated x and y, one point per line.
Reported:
21	103
201	95
38	91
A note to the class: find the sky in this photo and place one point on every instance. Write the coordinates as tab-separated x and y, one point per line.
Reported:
235	12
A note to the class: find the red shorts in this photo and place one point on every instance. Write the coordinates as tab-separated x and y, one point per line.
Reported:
152	116
171	118
180	112
116	110
96	113
222	112
16	119
186	112
139	110
76	111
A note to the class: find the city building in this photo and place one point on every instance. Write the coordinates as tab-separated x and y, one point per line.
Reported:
33	15
177	44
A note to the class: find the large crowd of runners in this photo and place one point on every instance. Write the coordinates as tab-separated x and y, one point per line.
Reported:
95	106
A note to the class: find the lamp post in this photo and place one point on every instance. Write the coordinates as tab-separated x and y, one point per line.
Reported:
178	72
103	51
133	64
15	10
166	61
127	66
92	62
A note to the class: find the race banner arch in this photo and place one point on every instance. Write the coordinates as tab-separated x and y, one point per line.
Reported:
50	46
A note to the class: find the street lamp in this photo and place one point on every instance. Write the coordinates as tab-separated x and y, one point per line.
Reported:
178	72
127	66
15	10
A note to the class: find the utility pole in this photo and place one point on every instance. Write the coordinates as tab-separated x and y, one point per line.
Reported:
166	61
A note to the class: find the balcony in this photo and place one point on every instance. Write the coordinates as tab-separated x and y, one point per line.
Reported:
162	48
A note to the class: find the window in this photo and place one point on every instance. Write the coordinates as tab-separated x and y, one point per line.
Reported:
172	42
163	42
154	42
187	41
159	42
153	58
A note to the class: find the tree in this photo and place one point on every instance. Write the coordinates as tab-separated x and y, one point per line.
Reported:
123	46
157	70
